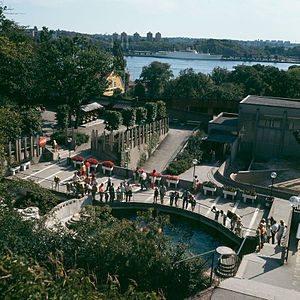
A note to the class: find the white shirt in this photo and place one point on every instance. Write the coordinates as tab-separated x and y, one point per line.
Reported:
144	176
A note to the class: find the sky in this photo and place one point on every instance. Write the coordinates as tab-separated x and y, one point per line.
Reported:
228	19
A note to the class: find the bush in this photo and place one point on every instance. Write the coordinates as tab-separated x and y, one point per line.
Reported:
209	184
60	137
177	167
78	158
107	164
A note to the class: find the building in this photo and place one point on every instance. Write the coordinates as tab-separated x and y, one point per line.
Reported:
124	40
266	126
149	36
33	32
115	82
136	37
157	36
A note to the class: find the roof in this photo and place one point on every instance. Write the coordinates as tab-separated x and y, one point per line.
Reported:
226	119
271	101
91	106
221	138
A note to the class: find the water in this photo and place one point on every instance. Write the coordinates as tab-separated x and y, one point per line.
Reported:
136	63
202	238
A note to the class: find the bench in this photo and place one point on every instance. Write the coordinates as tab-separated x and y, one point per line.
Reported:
298	232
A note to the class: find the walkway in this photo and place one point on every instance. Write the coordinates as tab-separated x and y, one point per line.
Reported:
251	214
168	149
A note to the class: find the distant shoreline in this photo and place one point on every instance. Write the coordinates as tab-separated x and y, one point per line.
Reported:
222	59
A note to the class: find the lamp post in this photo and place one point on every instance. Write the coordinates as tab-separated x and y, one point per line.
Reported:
127	160
295	203
273	176
195	162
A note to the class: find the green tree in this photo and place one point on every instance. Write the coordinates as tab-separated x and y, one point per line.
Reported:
11	124
32	121
161	110
219	75
139	91
156	76
151	108
141	115
113	120
129	117
62	115
119	63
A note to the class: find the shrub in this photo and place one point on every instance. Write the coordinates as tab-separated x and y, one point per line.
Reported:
250	193
161	110
113	120
229	189
172	177
60	137
156	174
209	184
93	161
15	164
177	167
107	164
141	115
78	158
151	111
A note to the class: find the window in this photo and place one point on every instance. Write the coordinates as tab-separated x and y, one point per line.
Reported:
115	84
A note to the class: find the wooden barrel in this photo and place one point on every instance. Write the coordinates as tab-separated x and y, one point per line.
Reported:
227	265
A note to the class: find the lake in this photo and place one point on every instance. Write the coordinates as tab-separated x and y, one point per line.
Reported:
136	63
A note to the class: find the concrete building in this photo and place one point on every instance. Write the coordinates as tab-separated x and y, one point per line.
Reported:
136	37
149	36
124	40
157	36
266	126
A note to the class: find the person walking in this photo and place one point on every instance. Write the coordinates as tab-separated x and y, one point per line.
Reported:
274	229
111	191
119	194
108	184
101	192
233	221
155	197
238	229
122	187
129	193
106	194
57	180
137	177
94	191
258	239
172	196
217	213
193	202
280	231
143	180
162	192
224	218
268	232
185	197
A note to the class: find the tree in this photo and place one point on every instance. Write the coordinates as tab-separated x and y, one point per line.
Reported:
119	63
139	91
11	124
32	121
73	70
161	110
141	115
156	75
151	108
129	117
113	120
62	115
219	75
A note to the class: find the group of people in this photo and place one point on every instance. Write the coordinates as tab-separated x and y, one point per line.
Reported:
82	185
141	178
235	220
267	231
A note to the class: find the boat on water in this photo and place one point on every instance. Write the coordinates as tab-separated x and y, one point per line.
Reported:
187	54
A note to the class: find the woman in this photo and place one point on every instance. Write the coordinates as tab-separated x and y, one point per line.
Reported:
101	191
258	239
280	231
193	202
269	232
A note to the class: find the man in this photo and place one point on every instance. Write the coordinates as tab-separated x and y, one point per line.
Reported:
111	191
156	193
176	197
185	197
108	184
143	180
94	191
162	192
274	229
172	196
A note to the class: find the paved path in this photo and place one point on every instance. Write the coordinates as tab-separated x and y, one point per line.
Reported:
251	214
168	149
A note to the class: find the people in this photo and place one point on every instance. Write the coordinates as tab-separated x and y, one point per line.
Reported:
172	196
101	191
185	197
122	188
162	192
119	194
111	191
274	229
137	177
217	213
155	196
143	180
268	232
69	186
258	239
128	192
176	197
76	177
224	218
108	184
54	146
238	229
193	202
94	191
153	178
57	181
280	231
